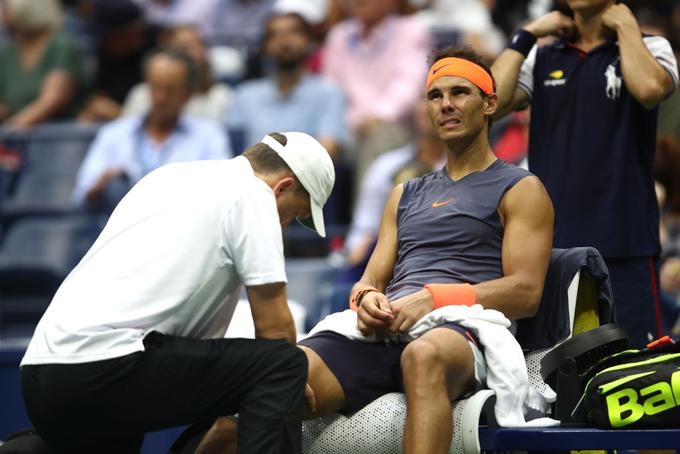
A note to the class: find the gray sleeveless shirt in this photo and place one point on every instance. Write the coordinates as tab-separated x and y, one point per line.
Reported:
450	231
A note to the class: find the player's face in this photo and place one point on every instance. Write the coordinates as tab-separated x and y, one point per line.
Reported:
457	108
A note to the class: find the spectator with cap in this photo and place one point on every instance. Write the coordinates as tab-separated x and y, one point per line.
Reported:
41	69
133	341
210	100
122	42
239	24
129	148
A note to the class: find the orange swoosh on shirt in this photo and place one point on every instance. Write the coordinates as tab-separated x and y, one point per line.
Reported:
439	204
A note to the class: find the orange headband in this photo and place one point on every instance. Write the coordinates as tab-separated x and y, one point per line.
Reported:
452	66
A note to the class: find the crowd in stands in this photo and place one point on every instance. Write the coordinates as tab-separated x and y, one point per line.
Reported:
175	80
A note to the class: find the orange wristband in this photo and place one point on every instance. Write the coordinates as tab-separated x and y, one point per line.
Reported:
452	294
357	295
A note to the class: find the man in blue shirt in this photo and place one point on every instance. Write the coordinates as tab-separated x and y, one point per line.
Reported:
127	149
594	95
291	99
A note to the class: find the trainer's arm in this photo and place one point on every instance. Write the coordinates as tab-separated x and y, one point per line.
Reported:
271	315
646	80
374	312
507	66
527	243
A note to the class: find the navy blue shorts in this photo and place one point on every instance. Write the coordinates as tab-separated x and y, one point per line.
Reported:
365	370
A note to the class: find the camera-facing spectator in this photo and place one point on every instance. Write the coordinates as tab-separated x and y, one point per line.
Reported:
210	100
290	99
379	58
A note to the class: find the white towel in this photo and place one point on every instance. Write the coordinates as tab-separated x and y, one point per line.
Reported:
506	368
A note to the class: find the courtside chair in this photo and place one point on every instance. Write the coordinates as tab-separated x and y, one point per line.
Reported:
378	427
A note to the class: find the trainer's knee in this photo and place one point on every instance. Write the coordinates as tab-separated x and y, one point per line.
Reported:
293	360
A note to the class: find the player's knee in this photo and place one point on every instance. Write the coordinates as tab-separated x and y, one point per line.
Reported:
421	360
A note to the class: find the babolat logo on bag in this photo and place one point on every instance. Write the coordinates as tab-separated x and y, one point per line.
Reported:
635	389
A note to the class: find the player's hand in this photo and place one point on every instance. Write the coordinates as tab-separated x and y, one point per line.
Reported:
374	314
619	17
409	309
553	23
310	397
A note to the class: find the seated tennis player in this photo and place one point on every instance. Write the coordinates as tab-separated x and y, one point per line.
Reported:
478	231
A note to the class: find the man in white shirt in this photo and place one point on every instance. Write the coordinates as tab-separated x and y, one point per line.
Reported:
133	339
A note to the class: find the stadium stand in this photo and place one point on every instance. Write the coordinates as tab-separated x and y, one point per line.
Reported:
35	257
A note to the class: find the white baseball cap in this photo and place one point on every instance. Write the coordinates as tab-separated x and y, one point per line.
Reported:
313	11
312	165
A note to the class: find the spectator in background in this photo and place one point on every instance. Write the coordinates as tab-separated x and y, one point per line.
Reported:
379	59
594	96
122	43
426	153
241	22
170	13
129	148
290	99
667	173
316	13
509	14
41	70
210	100
469	19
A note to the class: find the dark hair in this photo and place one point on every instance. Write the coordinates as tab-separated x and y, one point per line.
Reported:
466	53
193	74
304	24
264	160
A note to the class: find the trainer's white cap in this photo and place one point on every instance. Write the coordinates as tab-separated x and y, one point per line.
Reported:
312	165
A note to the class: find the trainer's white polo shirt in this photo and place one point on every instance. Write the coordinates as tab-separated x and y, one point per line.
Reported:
172	258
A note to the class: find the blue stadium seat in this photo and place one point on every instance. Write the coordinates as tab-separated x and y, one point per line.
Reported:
35	257
40	194
51	155
56	157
